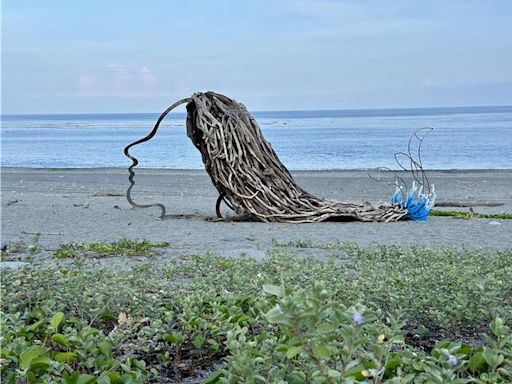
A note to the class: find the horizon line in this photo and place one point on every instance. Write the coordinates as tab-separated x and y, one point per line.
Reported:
264	111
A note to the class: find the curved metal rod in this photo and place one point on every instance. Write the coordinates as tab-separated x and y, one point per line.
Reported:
406	161
217	205
135	161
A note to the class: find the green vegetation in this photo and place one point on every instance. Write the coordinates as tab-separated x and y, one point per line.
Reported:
21	247
123	247
382	314
471	214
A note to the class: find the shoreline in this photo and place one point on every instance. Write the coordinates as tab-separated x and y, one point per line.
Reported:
88	205
56	169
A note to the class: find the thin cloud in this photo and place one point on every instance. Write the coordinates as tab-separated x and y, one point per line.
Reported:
87	83
147	76
118	80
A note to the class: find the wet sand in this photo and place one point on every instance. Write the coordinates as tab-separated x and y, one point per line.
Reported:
85	205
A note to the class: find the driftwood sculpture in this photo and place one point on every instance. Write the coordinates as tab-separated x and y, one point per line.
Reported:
247	173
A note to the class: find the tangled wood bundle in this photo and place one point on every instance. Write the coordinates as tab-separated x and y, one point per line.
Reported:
247	173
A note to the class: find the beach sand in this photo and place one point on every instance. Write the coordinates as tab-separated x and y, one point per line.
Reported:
85	205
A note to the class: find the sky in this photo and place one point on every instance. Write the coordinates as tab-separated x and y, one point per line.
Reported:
99	56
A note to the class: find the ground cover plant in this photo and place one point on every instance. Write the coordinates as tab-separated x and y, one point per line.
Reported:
362	314
471	215
21	247
123	247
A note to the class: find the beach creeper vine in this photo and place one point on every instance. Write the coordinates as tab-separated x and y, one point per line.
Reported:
318	340
283	319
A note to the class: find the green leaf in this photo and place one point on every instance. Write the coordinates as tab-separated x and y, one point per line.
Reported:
276	315
465	349
64	357
33	327
103	380
325	328
273	290
128	378
322	351
80	378
57	320
40	362
297	377
214	378
355	371
293	351
214	345
334	374
391	365
497	327
477	362
492	358
139	364
162	357
60	339
27	357
198	341
105	348
174	338
115	378
86	379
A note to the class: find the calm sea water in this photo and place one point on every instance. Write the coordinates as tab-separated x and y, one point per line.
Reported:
462	138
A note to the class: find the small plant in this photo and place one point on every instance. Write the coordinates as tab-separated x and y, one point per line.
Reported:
123	247
301	243
16	247
66	251
34	248
57	350
21	248
471	215
320	341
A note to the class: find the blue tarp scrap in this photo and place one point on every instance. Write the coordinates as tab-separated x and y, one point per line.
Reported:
417	203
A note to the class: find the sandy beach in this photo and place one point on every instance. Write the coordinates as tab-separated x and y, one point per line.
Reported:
85	205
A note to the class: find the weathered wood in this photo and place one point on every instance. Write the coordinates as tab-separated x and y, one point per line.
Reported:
248	174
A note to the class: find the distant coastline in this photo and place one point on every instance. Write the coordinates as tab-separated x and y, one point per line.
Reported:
357	112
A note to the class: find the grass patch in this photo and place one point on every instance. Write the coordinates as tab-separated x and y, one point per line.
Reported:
471	215
123	247
382	314
10	250
301	243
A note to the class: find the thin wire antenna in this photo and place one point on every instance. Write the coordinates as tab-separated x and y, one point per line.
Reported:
424	181
410	161
135	161
395	179
419	174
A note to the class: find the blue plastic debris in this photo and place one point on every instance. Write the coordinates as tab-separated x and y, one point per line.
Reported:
418	204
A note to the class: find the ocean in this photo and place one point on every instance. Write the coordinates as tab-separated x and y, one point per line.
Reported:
462	138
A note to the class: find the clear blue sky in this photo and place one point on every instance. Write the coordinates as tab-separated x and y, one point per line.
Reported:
139	56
